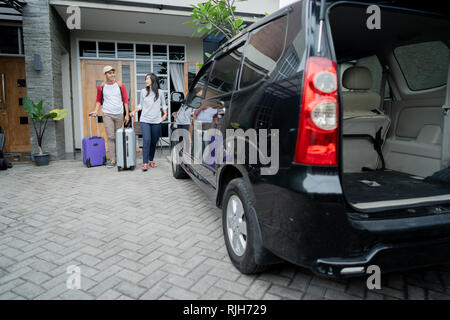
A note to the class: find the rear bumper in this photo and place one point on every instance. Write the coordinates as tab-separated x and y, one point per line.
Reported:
320	231
388	258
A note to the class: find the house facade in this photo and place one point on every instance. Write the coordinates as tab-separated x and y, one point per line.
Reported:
55	50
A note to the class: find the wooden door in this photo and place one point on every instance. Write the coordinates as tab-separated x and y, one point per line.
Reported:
13	118
91	76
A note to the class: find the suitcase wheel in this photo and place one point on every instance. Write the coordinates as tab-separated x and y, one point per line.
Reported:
119	168
104	160
132	168
88	162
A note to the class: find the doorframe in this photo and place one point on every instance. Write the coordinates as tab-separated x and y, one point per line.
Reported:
21	59
134	60
67	101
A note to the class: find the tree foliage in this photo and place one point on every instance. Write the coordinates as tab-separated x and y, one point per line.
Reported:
215	17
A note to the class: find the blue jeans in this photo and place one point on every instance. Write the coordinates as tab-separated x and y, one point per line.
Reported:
150	135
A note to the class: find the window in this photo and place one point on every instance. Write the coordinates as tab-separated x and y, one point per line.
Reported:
106	49
224	73
142	51
160	52
88	49
264	49
9	41
143	67
160	67
125	50
196	93
424	65
176	53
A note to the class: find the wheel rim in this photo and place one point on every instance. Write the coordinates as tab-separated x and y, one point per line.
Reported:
236	225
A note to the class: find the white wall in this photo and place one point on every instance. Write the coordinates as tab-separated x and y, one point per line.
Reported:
65	77
194	53
249	6
284	3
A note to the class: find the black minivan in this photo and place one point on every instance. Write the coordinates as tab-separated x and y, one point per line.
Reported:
351	100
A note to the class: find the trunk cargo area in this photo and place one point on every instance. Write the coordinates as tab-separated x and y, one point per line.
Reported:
374	189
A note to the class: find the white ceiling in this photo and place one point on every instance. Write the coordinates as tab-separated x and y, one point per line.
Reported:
128	21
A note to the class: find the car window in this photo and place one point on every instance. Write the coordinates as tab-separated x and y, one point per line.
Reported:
424	65
224	73
264	49
196	93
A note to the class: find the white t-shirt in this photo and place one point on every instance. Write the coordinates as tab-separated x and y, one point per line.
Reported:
151	109
207	115
112	99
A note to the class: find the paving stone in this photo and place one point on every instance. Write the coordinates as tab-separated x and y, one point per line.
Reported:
181	294
204	284
36	277
109	295
338	295
126	251
432	295
28	290
370	295
75	295
129	289
415	293
131	276
285	292
232	296
6	287
8	296
257	290
104	286
156	291
213	293
269	296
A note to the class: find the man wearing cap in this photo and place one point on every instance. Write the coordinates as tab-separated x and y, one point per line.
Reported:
113	98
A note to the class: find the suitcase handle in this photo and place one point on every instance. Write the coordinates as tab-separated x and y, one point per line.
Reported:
90	126
128	125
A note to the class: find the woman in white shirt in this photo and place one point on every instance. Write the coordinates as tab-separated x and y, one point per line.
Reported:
151	102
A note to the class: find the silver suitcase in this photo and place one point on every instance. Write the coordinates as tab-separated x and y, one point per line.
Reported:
126	148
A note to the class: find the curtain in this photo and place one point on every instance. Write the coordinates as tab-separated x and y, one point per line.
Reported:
177	76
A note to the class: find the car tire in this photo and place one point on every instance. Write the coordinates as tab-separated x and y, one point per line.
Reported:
237	194
177	171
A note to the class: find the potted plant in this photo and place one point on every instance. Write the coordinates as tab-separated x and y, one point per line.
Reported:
36	113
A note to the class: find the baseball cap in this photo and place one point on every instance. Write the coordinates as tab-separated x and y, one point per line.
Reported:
107	69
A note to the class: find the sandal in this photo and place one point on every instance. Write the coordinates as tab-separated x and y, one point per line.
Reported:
144	167
152	164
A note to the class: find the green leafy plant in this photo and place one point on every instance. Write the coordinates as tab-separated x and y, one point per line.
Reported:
216	17
36	113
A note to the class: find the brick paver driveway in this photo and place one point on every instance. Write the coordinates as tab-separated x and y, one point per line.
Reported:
141	235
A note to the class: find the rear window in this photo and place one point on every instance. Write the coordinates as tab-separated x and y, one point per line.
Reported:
264	49
224	73
424	65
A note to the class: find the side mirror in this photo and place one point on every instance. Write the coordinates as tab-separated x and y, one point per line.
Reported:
177	97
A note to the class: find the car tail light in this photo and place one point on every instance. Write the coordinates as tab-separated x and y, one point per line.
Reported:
318	124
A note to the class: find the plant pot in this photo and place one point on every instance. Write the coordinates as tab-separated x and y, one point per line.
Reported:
41	159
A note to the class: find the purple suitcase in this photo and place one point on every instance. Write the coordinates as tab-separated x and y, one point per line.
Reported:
94	151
